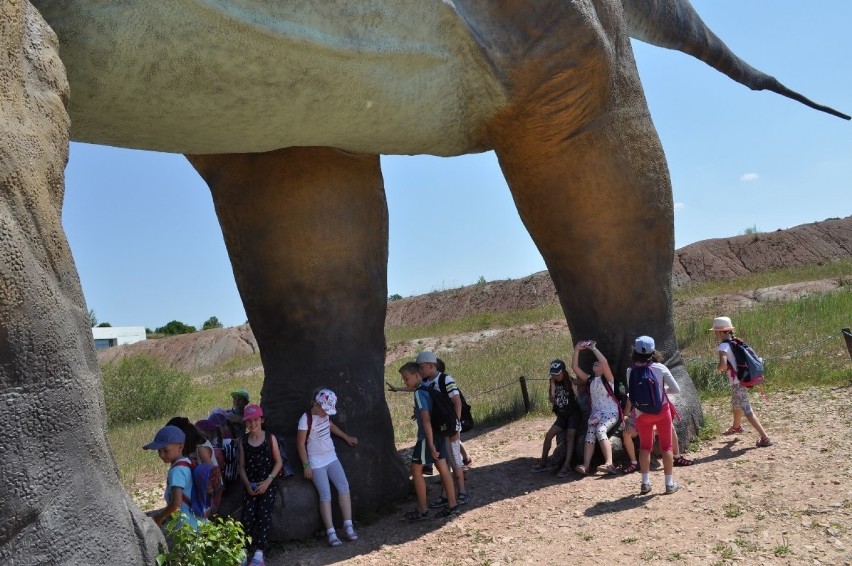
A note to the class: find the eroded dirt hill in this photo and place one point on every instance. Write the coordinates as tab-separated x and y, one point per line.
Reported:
722	258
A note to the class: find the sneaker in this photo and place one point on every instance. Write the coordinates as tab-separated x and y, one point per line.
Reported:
428	471
764	442
447	512
332	540
438	503
463	499
349	534
671	488
644	488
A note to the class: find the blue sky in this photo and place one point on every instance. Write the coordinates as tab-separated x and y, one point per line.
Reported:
149	250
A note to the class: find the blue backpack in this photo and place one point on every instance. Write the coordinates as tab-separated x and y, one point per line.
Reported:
749	365
206	488
645	393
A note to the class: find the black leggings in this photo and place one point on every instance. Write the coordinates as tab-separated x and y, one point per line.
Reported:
257	516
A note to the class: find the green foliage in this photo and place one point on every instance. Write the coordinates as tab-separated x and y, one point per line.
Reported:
140	388
104	325
394	297
93	319
211	322
174	328
481	280
217	542
751	230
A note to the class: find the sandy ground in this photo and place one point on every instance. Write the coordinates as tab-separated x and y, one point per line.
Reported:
790	503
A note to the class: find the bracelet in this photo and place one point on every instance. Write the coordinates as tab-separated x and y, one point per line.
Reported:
306	465
271	477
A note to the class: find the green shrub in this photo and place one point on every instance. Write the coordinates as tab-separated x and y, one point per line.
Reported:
141	388
217	542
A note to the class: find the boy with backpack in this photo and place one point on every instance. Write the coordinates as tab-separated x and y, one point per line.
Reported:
728	350
428	449
446	386
647	381
168	442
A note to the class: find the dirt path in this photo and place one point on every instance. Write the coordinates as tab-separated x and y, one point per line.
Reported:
787	504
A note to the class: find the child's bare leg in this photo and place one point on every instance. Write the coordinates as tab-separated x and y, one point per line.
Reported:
644	461
463	452
548	442
588	451
629	446
668	463
458	474
675	443
570	436
755	422
419	486
738	418
446	482
345	505
325	513
606	448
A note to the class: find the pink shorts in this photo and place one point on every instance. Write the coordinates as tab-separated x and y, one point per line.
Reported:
645	427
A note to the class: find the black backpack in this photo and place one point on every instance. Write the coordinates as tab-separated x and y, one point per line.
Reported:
467	421
443	414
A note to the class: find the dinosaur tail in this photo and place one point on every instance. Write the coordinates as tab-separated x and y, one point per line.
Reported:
675	24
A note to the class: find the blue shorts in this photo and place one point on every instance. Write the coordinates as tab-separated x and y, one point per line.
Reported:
422	454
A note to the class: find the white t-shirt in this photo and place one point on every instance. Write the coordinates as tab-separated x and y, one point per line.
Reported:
320	446
732	361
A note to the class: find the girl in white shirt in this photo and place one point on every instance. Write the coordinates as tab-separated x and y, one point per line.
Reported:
320	463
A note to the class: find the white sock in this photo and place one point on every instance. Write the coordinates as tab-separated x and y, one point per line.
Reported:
330	531
347	523
646	478
258	555
669	480
634	462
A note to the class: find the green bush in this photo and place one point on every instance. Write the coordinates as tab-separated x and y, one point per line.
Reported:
141	388
217	542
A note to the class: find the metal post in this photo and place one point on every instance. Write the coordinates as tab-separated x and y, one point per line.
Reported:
847	334
525	394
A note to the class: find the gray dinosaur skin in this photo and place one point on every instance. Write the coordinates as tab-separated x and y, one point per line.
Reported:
299	194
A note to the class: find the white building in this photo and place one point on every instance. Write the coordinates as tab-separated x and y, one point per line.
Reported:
117	335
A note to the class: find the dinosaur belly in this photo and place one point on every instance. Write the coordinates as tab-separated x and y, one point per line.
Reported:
204	76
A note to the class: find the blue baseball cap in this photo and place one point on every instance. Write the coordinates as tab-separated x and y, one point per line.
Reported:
644	345
169	434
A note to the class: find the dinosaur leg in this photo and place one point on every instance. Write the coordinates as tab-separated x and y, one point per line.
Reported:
588	175
307	230
60	498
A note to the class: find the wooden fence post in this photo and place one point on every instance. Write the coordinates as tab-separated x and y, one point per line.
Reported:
525	394
847	334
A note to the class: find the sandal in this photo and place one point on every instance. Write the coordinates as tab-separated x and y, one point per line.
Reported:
564	473
580	469
764	442
631	468
415	515
733	430
610	469
682	461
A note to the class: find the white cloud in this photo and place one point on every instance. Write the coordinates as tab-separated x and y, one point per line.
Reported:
748	177
679	206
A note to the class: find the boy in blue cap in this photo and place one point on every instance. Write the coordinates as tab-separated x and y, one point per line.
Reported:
168	442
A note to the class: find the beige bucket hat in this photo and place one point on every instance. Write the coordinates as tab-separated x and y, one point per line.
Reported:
722	324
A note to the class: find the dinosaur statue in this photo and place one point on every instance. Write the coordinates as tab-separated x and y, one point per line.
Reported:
284	108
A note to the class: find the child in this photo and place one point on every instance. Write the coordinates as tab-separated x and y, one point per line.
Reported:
196	446
567	416
606	409
739	395
427	449
629	433
260	462
234	415
319	460
644	354
169	444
